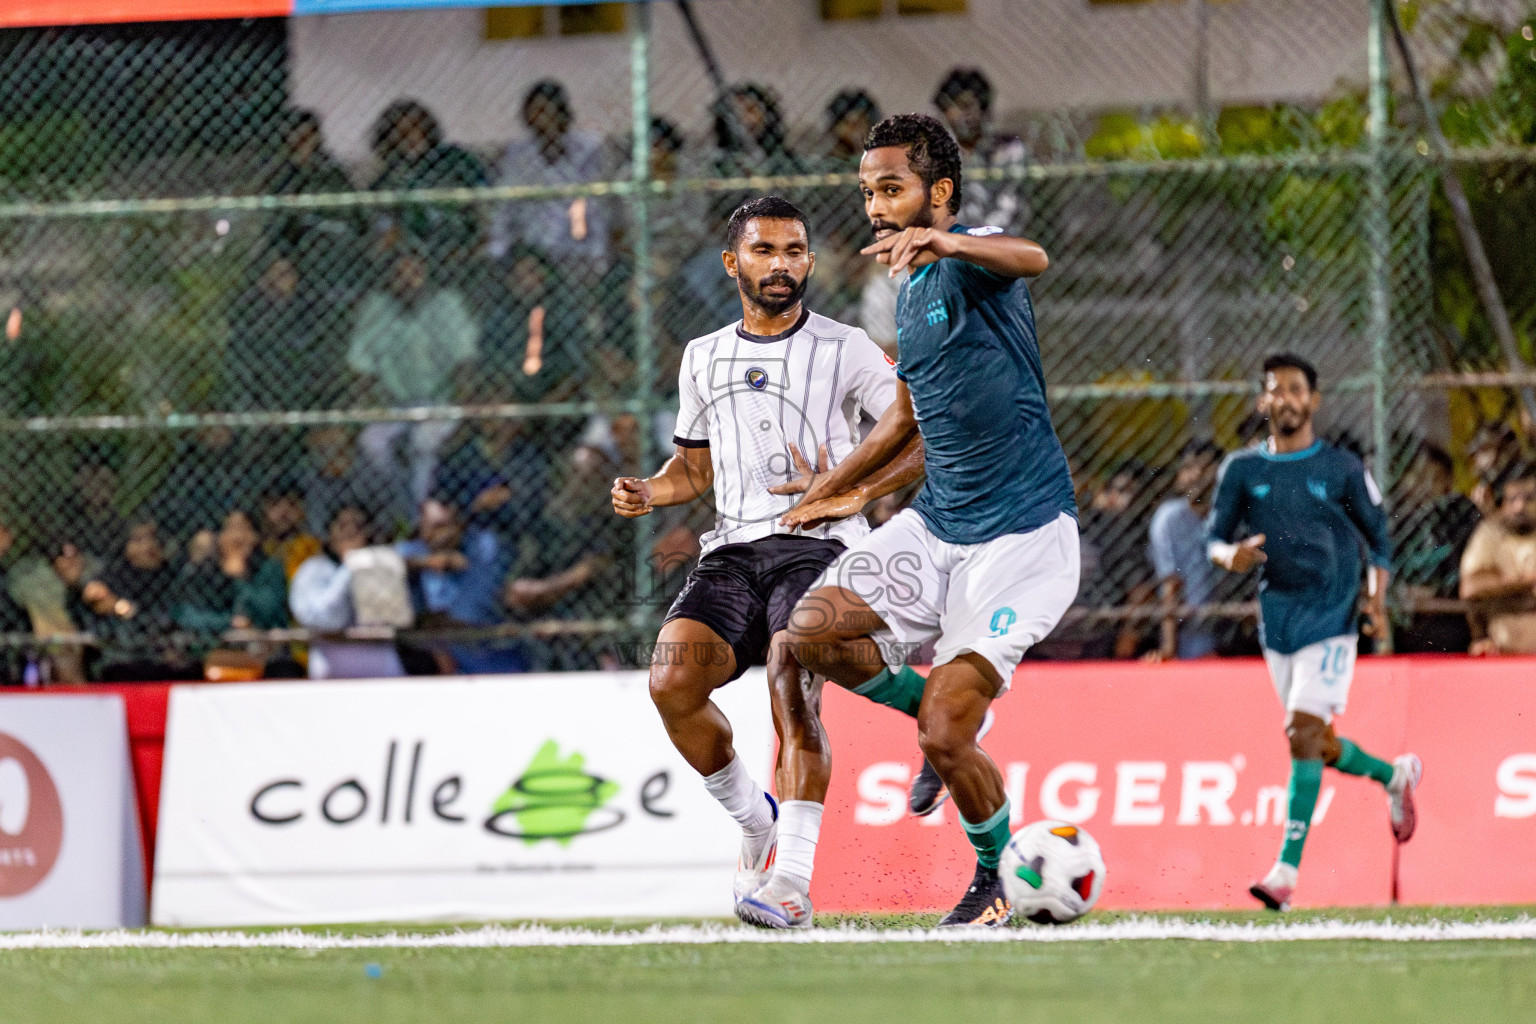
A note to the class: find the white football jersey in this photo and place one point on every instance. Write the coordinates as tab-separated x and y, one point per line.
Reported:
748	398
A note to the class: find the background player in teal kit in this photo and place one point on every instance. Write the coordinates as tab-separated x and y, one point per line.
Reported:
985	562
1307	507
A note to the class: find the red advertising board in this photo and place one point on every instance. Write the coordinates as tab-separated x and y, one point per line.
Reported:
19	13
1180	770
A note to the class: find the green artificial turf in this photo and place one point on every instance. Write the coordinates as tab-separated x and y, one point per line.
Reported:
1340	982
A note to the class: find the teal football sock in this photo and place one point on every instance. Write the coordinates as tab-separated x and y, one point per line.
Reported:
902	690
989	837
1354	761
1306	780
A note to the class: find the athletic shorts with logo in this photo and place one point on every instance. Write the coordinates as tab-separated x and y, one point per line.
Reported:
1315	680
996	599
746	592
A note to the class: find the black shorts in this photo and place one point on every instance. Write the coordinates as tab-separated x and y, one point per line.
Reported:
746	592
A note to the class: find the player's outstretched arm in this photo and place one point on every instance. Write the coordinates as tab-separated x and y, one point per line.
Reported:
686	476
1004	255
888	439
905	468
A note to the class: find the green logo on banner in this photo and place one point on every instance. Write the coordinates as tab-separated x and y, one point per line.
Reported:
555	798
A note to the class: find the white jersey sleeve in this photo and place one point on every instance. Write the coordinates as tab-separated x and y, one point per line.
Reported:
872	380
692	429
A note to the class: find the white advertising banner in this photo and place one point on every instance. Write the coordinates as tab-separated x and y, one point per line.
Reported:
484	798
70	852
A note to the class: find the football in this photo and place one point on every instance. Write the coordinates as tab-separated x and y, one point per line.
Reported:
1052	871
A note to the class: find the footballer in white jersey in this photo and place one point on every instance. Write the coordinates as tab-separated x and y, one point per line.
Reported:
753	397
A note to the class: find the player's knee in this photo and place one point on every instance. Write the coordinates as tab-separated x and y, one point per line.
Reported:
1308	737
942	740
675	690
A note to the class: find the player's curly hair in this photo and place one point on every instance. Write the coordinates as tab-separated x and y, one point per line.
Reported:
931	149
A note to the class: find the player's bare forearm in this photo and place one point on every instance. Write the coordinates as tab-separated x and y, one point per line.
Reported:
889	439
684	477
1007	255
906	468
1492	585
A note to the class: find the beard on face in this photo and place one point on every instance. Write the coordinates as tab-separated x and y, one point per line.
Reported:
773	305
1287	423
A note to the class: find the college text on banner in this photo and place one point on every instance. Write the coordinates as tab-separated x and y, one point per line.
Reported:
555	796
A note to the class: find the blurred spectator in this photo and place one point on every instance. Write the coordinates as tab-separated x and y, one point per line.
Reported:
574	233
841	271
283	537
1115	569
456	582
408	143
574	567
333	476
207	472
129	605
678	219
284	348
46	583
321	598
304	164
1498	568
13	619
1429	538
749	134
1494	448
97	525
1253	428
412	342
1184	571
964	98
319	239
492	468
536	339
850	116
230	584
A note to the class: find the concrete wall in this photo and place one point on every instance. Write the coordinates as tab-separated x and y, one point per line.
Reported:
1041	54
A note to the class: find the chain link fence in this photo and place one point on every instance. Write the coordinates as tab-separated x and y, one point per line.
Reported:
282	296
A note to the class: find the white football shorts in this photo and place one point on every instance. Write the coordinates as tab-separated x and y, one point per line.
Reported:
996	599
1315	679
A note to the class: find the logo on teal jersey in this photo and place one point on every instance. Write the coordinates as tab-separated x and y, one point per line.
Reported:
1261	491
1319	489
757	378
937	313
1002	620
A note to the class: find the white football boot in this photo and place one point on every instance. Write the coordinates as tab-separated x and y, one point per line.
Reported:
1407	769
776	904
1274	889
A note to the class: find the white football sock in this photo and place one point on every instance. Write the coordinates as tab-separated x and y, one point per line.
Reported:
742	798
799	829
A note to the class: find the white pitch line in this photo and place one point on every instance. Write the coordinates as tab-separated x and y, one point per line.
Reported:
543	936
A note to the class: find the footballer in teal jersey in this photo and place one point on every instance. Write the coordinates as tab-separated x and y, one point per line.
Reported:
986	560
1300	510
